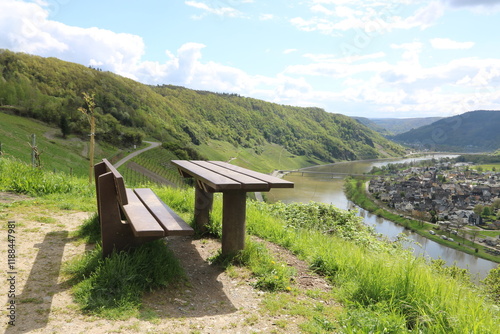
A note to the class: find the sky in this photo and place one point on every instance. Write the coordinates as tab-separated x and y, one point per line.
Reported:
369	58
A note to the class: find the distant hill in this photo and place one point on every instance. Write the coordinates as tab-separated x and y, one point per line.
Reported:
395	126
474	131
50	90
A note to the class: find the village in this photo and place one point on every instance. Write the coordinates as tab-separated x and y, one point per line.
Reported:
452	195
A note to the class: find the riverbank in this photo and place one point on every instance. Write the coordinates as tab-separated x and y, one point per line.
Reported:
355	189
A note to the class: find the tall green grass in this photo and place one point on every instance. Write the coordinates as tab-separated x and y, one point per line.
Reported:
19	177
388	289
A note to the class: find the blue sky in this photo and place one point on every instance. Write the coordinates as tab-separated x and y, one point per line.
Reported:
371	58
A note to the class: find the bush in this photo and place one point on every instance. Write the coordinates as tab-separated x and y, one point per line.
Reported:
492	283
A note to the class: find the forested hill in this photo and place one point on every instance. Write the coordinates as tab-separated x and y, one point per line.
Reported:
51	90
474	131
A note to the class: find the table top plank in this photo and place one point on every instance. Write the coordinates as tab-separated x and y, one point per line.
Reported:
216	181
248	183
274	182
222	176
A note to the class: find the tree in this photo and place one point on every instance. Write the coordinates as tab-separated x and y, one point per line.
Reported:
64	125
474	234
478	209
486	211
89	113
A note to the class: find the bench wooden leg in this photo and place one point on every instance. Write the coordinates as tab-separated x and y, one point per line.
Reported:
202	208
233	221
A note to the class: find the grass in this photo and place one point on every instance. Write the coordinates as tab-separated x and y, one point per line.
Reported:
384	288
271	274
487	167
112	287
90	231
19	177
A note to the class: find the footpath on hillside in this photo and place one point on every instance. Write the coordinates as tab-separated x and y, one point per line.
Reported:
136	153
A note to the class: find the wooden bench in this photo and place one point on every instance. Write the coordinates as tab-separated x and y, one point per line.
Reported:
130	217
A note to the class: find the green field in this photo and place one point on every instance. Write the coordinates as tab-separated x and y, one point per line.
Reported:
488	167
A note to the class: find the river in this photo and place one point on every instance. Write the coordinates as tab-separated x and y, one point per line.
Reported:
330	190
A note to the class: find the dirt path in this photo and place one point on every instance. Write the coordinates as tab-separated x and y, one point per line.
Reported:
136	153
214	301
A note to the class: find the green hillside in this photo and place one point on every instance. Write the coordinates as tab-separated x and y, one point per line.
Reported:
474	131
50	90
56	154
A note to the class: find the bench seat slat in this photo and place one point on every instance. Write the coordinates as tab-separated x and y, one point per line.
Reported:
171	222
142	222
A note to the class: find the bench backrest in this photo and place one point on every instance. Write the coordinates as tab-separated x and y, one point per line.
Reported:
106	167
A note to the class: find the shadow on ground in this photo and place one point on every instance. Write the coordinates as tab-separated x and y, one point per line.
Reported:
203	296
41	285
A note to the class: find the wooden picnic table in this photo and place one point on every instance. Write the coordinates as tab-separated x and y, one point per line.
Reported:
233	182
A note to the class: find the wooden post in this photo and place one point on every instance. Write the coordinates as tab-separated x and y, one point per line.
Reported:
33	145
92	143
233	222
202	208
89	112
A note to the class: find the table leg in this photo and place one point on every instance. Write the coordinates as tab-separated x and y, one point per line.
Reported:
233	221
202	207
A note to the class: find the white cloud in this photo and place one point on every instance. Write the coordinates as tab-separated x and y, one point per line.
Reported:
321	9
448	44
373	17
219	11
288	51
423	17
266	17
25	27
